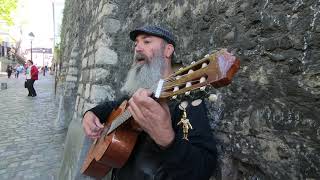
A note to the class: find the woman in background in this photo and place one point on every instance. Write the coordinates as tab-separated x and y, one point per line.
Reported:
31	76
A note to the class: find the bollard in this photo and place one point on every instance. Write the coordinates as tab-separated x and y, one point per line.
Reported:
3	86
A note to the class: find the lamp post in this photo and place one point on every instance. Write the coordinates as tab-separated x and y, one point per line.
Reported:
44	69
31	35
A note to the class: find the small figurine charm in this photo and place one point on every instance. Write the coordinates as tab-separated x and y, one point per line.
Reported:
185	125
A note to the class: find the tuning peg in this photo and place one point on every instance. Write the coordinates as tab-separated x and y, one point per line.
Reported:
204	65
174	97
207	55
193	62
213	97
203	88
187	93
180	68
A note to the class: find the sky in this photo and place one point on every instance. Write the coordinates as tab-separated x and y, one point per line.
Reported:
37	16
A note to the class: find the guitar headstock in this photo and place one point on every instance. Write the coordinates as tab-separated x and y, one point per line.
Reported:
216	69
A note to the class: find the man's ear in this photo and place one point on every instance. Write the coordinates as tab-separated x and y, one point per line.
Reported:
169	51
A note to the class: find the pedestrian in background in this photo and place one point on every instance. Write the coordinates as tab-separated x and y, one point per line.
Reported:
45	68
9	70
31	76
18	70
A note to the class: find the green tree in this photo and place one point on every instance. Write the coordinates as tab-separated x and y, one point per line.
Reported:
6	8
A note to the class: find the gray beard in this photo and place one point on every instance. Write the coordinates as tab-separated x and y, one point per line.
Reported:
144	75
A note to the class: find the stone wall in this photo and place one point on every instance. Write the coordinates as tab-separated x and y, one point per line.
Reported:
266	121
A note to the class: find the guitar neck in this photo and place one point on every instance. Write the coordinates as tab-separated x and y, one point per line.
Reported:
118	121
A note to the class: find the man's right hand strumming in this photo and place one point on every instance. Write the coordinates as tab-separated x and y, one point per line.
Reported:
91	125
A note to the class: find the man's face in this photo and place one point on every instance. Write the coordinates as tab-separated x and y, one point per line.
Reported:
146	47
148	64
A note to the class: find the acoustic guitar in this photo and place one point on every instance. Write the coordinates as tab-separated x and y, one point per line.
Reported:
120	133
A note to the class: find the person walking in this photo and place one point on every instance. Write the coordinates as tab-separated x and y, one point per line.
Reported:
18	70
9	70
31	76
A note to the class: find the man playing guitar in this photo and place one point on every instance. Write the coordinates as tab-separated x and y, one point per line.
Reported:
164	151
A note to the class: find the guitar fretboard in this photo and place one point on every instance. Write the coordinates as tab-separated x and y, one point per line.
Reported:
119	120
156	89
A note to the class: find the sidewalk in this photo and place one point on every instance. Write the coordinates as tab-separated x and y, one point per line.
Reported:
3	74
30	146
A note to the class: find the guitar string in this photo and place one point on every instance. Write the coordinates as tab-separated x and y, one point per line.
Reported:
173	78
172	86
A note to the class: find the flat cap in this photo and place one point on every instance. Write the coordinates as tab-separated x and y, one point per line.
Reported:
154	31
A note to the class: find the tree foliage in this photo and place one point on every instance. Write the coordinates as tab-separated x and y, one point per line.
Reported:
6	8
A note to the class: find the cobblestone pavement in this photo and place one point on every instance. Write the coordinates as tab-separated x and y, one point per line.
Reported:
31	147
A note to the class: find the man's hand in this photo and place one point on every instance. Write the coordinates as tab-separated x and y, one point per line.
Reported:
153	118
91	125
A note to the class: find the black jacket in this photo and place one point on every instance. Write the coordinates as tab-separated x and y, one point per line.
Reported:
188	160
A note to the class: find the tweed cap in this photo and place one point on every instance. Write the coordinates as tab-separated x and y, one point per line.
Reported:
154	31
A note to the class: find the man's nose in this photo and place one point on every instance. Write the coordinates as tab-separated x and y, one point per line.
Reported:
138	48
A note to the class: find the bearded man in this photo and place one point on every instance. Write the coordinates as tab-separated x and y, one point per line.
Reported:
161	152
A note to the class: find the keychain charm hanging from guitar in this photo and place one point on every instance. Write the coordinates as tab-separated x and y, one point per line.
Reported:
185	123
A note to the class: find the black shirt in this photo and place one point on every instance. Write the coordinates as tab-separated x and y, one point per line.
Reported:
188	160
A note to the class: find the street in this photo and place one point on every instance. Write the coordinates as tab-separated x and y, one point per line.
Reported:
31	147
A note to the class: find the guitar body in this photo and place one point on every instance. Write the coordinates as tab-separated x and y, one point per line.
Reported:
113	150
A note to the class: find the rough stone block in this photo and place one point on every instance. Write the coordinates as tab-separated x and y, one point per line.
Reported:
76	104
65	64
99	74
73	62
85	75
71	78
84	62
80	107
105	55
75	52
73	71
92	75
108	9
91	60
90	49
101	93
93	36
111	25
100	5
87	92
80	89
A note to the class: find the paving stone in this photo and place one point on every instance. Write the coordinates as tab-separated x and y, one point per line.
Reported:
4	176
2	171
14	165
30	145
